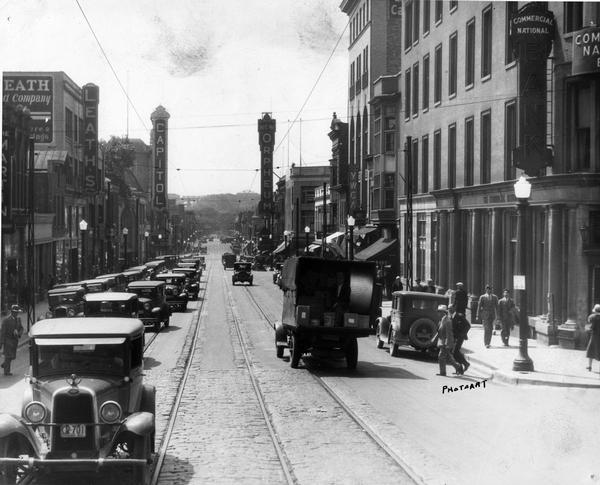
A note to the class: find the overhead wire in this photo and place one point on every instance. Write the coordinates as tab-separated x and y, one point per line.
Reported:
111	66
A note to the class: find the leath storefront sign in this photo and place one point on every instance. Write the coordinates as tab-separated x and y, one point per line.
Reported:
90	136
36	94
586	51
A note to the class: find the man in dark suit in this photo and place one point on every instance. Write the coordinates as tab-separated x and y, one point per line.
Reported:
486	313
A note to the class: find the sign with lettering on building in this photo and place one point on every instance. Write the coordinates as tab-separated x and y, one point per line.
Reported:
532	32
586	51
91	94
395	8
266	142
160	119
36	94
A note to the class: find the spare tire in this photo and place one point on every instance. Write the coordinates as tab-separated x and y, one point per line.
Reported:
422	333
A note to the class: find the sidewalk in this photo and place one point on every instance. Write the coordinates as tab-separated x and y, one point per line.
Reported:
553	366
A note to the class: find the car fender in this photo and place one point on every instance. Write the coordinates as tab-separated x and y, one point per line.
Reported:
10	425
141	424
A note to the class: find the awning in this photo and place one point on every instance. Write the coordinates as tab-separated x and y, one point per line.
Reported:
335	237
281	248
44	156
378	250
331	249
363	231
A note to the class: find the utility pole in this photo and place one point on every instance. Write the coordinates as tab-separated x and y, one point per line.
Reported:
324	219
31	240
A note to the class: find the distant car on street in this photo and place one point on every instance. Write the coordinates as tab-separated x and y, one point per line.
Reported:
153	308
192	285
242	273
413	321
111	304
228	259
176	295
86	410
66	301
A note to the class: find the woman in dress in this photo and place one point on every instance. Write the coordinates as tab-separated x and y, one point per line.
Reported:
593	348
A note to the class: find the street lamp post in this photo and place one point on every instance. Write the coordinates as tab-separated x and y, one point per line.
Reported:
306	232
125	233
83	225
522	362
351	222
146	235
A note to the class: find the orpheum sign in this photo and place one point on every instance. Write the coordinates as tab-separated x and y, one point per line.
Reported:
266	141
160	122
586	51
90	136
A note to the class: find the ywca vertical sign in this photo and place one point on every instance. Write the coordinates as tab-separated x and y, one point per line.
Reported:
90	136
160	119
266	141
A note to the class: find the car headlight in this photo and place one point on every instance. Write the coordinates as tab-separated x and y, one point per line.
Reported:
35	412
71	312
110	412
147	307
182	295
156	309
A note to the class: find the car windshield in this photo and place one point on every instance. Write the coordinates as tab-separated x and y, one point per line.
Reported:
418	304
63	299
108	307
81	358
92	288
144	292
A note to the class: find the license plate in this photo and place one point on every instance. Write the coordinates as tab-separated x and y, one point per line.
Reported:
72	431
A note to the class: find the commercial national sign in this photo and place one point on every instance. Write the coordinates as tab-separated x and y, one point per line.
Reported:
90	136
532	32
36	94
266	141
586	51
160	119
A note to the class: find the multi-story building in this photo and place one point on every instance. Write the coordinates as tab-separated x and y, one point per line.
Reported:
374	50
465	111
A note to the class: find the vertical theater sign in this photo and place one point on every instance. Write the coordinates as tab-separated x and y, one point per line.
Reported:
266	141
160	119
531	32
90	137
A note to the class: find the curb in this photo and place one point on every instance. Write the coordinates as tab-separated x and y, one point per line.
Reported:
517	378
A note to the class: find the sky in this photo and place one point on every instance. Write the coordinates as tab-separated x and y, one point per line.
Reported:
215	65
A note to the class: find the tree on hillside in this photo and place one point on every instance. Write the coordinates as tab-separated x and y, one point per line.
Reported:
119	156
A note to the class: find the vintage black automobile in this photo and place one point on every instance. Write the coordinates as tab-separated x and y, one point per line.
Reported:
413	321
153	308
86	410
228	259
66	301
120	280
97	285
170	260
327	305
192	280
177	297
111	304
242	273
155	267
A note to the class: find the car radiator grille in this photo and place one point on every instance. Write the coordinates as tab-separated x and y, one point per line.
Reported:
73	409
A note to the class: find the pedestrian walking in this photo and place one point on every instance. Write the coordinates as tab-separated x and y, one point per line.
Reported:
446	342
10	333
460	329
487	313
593	347
397	285
506	315
461	299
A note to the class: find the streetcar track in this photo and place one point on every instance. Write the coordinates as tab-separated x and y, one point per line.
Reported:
281	455
166	438
357	419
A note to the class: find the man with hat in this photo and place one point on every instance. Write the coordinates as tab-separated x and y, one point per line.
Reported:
446	342
10	333
461	299
486	313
